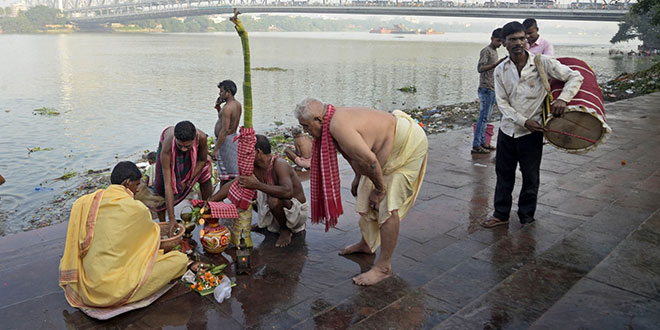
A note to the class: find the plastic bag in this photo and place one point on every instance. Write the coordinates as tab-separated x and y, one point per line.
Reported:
223	290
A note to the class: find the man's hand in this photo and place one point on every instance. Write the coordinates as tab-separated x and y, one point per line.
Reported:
534	126
214	155
171	228
249	182
375	197
354	185
558	107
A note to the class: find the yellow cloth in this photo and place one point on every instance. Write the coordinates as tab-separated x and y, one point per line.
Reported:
403	173
112	255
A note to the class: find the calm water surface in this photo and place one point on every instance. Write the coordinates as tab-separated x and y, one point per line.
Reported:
117	92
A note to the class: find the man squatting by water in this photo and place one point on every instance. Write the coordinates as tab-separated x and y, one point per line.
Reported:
229	116
281	203
520	94
388	155
302	154
486	91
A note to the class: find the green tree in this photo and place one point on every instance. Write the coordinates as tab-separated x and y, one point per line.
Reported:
40	16
638	26
173	25
648	7
18	24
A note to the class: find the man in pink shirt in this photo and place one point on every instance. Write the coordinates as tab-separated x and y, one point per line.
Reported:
535	44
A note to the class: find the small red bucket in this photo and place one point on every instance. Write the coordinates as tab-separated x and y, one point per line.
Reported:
489	131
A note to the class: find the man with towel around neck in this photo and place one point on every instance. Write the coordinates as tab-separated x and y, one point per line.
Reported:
388	153
112	256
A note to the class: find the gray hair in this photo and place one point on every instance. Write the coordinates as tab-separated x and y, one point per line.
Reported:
305	109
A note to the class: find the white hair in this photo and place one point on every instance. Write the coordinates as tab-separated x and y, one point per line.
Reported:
305	109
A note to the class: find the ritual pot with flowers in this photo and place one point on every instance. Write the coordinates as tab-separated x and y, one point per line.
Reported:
214	236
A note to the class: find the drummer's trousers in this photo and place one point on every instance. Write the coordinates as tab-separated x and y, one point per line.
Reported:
525	151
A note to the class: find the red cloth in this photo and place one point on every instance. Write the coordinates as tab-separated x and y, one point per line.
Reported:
239	196
218	209
324	177
589	95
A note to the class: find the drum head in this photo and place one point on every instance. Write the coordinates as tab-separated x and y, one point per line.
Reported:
577	123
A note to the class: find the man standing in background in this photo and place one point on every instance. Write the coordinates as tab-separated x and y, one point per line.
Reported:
487	63
225	152
535	44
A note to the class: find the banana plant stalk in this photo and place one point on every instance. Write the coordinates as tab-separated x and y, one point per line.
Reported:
247	80
244	221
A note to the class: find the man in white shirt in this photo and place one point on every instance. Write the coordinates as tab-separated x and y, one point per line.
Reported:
535	44
519	94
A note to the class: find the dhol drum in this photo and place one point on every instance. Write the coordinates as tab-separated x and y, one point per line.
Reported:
584	125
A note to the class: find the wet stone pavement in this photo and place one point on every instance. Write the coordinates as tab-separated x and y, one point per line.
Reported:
590	261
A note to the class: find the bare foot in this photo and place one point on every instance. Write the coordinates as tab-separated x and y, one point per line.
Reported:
373	276
360	247
284	239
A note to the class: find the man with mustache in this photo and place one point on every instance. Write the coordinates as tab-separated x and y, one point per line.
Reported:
519	93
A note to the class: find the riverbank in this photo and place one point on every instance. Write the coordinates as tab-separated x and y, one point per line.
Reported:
628	85
435	120
588	261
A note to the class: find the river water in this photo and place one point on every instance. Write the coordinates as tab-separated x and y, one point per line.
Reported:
117	92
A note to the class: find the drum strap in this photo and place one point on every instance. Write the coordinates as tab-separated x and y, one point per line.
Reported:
545	114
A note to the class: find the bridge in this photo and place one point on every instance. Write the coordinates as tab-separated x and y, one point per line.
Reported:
91	12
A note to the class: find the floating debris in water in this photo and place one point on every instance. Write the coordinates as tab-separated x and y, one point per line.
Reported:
45	111
35	149
408	89
271	68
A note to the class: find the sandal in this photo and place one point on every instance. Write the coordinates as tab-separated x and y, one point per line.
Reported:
479	150
488	147
493	222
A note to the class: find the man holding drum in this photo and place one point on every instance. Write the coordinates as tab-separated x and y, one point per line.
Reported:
520	94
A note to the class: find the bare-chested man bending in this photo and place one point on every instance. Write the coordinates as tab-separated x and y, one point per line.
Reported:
281	202
229	117
387	151
182	160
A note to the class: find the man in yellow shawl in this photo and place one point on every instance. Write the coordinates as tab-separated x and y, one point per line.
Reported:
388	153
112	256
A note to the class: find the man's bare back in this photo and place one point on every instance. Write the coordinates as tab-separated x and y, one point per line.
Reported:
353	128
303	144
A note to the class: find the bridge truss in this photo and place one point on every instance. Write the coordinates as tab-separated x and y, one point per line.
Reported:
111	11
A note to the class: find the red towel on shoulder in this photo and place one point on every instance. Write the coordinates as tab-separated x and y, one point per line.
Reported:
239	196
324	177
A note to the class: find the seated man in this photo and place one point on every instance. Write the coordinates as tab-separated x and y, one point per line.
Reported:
302	156
281	202
112	256
182	161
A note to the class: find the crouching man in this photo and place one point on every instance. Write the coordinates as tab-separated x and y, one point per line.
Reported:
281	202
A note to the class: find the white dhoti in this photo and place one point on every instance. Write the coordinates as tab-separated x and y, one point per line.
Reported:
403	173
296	216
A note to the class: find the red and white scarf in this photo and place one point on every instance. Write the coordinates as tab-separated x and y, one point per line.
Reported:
239	196
324	177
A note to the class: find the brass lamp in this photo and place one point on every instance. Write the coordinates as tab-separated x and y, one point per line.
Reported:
188	223
242	257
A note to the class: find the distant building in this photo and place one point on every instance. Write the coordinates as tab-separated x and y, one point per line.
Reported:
16	8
